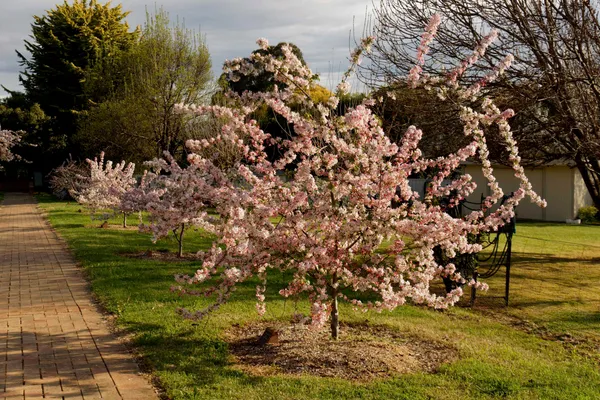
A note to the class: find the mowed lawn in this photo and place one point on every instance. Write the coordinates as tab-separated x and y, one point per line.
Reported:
555	279
554	287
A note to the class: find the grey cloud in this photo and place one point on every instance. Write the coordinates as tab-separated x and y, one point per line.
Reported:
319	27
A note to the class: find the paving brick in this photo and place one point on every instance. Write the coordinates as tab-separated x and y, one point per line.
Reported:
54	344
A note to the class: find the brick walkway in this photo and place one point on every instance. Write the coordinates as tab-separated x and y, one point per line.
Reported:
53	342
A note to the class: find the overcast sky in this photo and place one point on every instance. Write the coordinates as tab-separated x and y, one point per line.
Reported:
319	27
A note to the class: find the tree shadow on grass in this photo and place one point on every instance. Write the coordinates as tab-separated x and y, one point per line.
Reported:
544	303
59	226
581	317
553	279
531	258
188	352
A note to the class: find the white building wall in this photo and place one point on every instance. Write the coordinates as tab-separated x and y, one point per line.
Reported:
559	185
558	192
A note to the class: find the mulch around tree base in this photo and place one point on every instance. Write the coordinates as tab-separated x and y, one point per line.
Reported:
363	352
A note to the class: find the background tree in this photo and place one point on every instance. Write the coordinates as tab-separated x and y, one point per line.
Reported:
102	188
400	106
263	78
17	113
168	65
554	86
64	43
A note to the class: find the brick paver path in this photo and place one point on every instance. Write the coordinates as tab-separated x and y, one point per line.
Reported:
53	342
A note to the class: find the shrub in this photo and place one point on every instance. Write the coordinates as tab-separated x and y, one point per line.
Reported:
588	214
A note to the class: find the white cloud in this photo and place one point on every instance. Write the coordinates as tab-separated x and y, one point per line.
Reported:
320	28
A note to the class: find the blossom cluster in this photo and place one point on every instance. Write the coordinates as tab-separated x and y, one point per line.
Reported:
8	139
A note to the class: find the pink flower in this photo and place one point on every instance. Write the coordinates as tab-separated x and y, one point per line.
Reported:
262	43
8	139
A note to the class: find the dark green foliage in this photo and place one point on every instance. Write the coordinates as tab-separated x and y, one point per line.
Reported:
18	114
268	120
64	43
37	146
349	100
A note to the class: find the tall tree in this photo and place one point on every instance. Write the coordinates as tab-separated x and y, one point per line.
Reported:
168	65
263	78
554	85
64	44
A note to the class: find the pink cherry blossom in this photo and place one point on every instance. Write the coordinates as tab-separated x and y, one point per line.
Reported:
8	139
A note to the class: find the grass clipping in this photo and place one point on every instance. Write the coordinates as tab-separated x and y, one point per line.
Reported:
362	352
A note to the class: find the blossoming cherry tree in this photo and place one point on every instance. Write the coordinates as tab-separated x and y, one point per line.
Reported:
175	198
106	184
8	139
346	224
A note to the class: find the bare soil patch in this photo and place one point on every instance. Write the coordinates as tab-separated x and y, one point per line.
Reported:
362	353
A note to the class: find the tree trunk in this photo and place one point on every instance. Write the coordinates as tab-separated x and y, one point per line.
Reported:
180	240
335	319
335	316
124	220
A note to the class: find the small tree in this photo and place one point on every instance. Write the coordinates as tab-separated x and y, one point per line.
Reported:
176	198
106	185
349	195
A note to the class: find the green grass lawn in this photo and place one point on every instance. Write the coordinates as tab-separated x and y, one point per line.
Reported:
555	279
556	287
